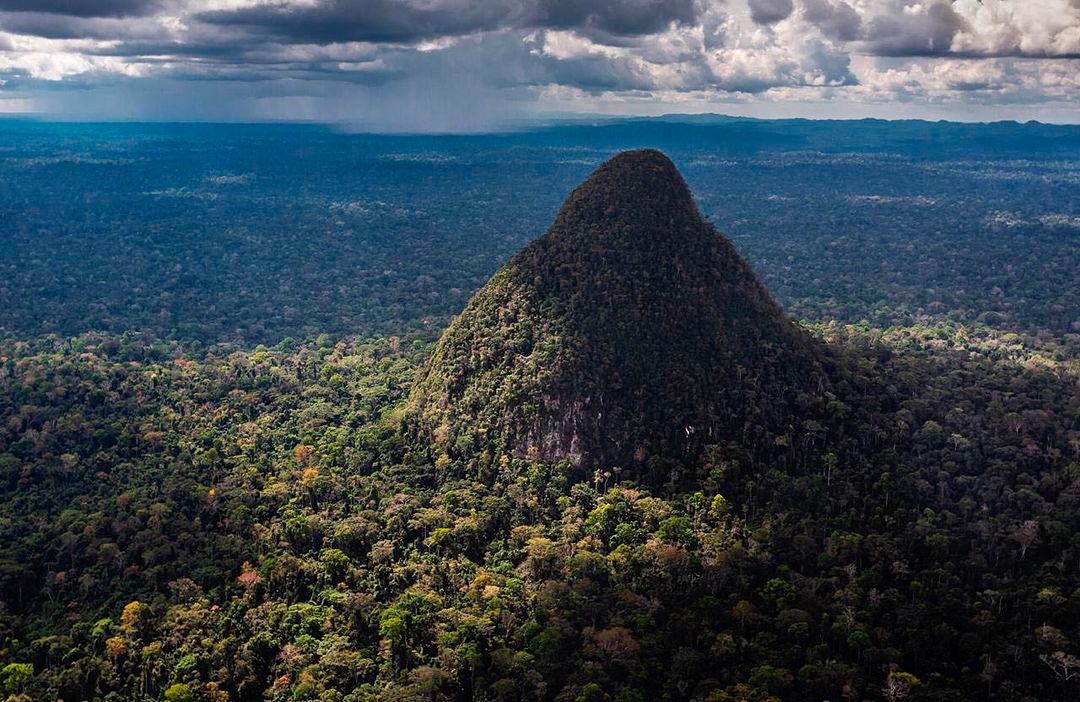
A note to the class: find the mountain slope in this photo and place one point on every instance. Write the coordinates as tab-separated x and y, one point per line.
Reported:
630	331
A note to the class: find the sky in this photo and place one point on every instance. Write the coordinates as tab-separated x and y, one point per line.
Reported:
473	65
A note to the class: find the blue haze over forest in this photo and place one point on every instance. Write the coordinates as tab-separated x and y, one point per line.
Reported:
254	233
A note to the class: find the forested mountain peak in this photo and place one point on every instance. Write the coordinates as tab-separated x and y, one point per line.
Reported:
630	334
638	194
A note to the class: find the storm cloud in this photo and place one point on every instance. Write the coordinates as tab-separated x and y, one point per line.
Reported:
770	11
413	20
334	57
922	32
82	8
836	20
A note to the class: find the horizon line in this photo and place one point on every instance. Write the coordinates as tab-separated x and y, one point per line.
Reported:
512	125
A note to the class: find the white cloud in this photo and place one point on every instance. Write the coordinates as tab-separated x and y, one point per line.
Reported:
1010	27
55	59
58	65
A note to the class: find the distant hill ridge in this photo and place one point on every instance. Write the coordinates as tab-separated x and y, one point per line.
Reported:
631	333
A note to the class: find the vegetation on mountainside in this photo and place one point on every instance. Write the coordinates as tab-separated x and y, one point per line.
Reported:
630	334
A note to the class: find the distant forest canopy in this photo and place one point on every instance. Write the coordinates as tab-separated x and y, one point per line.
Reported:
258	233
208	334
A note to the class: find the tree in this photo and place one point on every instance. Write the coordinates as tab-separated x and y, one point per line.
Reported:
676	530
131	617
743	611
617	643
15	675
179	693
898	686
1027	535
1064	666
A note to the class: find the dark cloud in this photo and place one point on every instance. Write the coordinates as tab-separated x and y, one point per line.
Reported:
414	20
770	11
41	24
910	34
592	74
82	8
617	17
833	66
970	85
836	20
366	20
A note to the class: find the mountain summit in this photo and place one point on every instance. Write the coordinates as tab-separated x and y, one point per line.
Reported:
631	331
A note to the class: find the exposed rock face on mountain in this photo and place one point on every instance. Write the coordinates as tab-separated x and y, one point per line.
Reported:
630	331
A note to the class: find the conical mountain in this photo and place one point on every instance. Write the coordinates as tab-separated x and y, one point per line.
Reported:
630	331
